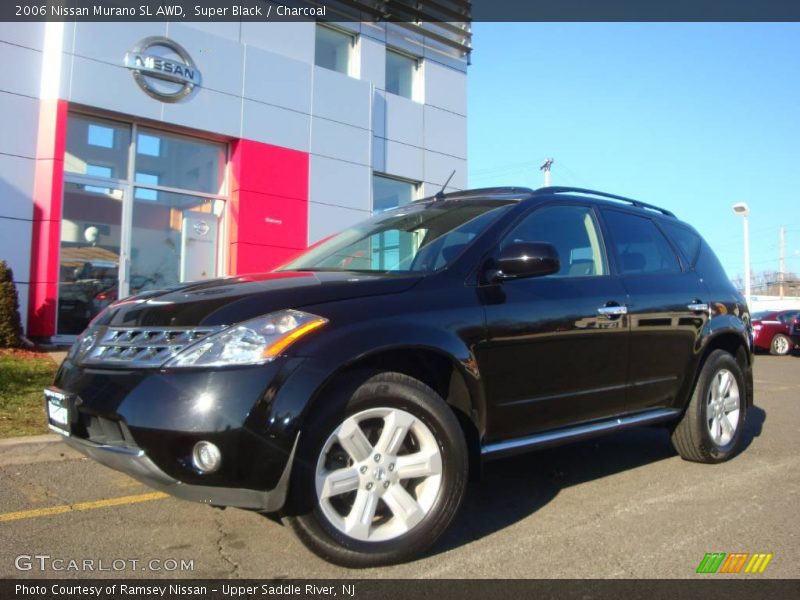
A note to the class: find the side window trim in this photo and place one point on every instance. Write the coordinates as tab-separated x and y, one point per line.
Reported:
599	228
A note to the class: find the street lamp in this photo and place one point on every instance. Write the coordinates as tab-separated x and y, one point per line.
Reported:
741	209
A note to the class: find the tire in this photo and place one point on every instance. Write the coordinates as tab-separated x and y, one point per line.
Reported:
781	345
408	484
710	430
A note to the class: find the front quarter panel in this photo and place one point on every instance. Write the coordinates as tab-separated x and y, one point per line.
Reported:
442	327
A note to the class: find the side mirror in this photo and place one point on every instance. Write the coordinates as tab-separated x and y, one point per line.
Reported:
526	259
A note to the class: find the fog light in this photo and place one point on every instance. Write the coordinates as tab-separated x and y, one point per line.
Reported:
206	457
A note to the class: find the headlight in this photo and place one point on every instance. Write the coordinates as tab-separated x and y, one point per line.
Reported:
252	342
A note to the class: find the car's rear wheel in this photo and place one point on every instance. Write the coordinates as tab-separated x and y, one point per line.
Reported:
710	430
379	478
781	345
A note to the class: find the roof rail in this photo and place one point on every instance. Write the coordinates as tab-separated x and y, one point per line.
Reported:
489	191
576	190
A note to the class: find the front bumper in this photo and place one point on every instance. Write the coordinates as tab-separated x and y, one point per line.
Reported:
146	422
134	462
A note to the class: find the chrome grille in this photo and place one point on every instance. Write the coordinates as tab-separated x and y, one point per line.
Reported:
142	347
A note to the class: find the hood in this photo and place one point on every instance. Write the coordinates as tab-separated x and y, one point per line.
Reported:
234	299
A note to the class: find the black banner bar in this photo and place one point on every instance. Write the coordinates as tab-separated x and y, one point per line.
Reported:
714	587
430	11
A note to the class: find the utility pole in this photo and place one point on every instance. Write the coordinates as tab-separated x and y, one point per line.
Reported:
782	264
546	168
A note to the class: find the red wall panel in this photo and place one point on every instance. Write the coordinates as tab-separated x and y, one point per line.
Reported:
269	206
268	169
47	191
256	258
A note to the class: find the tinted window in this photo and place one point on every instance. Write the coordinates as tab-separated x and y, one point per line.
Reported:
400	73
332	49
573	232
685	239
390	193
419	237
640	246
787	317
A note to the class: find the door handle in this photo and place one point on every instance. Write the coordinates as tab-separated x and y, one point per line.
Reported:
613	311
698	307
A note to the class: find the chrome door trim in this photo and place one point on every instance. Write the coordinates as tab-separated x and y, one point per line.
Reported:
613	311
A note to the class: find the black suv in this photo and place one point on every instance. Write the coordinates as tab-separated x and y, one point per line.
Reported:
352	390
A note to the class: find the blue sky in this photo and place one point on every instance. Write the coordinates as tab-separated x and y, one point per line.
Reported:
691	116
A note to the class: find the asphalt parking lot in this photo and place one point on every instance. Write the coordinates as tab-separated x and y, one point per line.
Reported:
624	506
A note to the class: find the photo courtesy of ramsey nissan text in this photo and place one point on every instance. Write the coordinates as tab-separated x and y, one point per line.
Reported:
341	299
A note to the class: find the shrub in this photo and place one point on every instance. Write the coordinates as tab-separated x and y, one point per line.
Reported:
10	324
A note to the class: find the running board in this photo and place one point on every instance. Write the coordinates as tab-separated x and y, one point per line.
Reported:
572	434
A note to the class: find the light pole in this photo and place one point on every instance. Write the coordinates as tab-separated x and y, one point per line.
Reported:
741	209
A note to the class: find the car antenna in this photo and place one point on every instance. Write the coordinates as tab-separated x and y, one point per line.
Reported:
440	194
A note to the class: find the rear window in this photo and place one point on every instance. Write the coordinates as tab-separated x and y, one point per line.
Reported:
687	241
640	246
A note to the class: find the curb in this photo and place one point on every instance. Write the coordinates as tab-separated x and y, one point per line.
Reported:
46	438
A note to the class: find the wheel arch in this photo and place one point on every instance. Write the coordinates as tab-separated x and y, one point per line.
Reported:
734	341
456	382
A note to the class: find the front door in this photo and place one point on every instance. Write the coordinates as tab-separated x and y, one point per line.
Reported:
557	346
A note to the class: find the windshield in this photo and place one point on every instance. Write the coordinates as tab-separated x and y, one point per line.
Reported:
413	238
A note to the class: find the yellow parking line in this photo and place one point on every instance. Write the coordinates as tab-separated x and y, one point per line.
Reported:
57	510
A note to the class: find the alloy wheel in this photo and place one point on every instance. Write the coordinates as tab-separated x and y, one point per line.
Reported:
378	474
723	403
780	344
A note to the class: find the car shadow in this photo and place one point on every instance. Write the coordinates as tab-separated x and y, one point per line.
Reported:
512	489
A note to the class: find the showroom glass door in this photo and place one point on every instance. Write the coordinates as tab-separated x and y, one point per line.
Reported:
89	265
90	262
142	209
177	208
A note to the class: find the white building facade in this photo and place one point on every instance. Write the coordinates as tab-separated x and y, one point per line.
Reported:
139	155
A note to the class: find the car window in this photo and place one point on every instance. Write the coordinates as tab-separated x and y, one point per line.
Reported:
418	237
685	239
640	246
574	233
788	317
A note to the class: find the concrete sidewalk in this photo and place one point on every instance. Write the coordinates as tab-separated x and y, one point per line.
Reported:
35	449
57	356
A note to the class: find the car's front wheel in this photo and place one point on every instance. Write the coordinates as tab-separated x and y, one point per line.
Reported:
379	478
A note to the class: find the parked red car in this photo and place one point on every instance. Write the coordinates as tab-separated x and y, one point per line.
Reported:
794	331
772	331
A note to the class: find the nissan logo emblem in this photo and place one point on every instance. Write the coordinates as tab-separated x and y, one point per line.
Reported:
163	69
201	228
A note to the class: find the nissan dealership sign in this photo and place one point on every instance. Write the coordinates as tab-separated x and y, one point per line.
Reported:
163	69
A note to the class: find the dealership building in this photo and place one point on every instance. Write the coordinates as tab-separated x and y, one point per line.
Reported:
138	155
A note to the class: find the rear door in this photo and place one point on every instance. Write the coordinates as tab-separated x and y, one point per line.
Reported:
667	305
